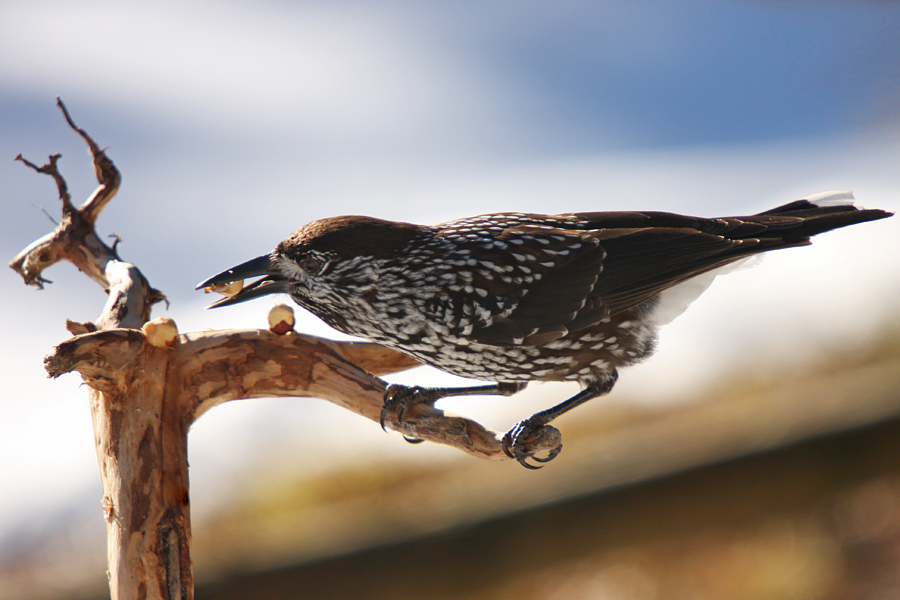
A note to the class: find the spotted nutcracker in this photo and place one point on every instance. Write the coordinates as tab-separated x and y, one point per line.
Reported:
516	297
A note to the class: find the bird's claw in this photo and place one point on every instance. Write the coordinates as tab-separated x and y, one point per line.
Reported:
401	397
516	439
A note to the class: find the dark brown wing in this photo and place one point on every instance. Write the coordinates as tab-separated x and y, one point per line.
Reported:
642	263
596	264
670	248
611	271
568	265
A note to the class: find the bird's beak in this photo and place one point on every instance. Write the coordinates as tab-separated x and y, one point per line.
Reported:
271	283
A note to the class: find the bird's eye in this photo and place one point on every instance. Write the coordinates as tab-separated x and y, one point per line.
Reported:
310	264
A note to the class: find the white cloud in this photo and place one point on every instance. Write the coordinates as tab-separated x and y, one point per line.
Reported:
324	70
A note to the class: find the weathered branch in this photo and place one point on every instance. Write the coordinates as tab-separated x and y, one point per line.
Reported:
138	439
208	368
259	364
75	240
51	169
107	174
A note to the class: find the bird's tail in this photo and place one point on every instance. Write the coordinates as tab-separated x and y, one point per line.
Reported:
820	213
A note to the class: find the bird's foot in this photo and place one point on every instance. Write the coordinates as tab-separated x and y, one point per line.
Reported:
398	398
523	434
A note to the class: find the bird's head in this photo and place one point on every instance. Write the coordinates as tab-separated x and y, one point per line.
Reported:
316	259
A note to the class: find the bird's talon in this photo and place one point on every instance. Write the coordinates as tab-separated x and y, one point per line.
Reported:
553	454
413	440
400	397
382	419
514	441
506	444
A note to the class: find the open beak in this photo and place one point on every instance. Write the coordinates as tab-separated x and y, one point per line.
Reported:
271	283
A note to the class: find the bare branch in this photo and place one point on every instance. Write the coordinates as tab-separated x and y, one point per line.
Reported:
100	356
212	367
30	164
75	240
107	175
117	239
130	297
53	171
37	256
141	441
95	148
78	327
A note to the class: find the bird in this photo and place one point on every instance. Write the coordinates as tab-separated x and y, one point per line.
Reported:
513	298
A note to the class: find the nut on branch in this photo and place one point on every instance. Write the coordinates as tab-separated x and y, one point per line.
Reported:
281	319
161	332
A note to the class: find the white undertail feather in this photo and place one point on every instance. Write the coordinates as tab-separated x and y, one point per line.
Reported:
675	300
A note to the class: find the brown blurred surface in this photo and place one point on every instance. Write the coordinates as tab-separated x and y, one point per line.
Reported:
818	519
780	484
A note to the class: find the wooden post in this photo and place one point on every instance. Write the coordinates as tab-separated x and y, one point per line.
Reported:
148	384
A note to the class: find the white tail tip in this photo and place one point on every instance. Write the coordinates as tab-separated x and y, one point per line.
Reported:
833	198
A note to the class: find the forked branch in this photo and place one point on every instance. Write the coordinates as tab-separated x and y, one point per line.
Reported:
107	175
51	169
74	238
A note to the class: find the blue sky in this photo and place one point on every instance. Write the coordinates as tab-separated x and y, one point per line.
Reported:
234	123
699	72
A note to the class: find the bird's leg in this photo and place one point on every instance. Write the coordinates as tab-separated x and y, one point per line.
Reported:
515	440
400	397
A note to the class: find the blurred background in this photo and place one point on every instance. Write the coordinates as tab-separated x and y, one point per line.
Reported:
754	457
